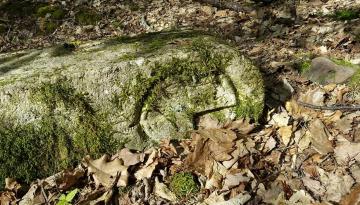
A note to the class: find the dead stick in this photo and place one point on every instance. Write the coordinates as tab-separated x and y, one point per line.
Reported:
333	107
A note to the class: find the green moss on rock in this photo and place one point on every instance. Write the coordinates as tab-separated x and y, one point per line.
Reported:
48	144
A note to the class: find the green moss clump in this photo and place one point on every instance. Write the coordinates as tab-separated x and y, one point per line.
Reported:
183	184
86	16
346	14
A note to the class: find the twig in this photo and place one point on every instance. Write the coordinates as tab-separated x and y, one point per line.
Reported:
235	6
332	107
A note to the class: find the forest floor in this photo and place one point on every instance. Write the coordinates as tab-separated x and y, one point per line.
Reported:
305	150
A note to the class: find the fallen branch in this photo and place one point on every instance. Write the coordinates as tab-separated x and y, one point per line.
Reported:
332	107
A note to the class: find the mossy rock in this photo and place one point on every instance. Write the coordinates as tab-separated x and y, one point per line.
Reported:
99	96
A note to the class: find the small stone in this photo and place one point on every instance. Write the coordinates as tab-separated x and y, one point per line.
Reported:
325	71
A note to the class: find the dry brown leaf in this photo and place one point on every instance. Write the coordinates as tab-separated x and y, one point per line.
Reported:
168	148
208	122
346	151
214	198
314	186
234	177
302	139
219	135
215	175
161	190
12	185
130	158
199	158
237	200
300	198
33	196
64	179
320	137
353	198
105	171
314	97
280	119
7	198
345	123
149	167
337	184
285	134
240	151
242	126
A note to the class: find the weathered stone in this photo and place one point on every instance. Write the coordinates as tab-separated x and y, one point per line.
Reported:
87	99
325	71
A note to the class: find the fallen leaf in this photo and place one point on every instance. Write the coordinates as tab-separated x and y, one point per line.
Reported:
149	167
12	185
130	158
319	137
346	151
285	133
208	122
242	126
280	120
336	184
214	198
345	123
353	198
7	198
161	190
233	178
301	197
314	186
105	171
237	200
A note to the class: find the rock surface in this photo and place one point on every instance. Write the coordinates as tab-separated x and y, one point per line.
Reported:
69	100
325	71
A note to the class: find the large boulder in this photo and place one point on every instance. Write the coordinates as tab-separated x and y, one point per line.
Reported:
59	104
